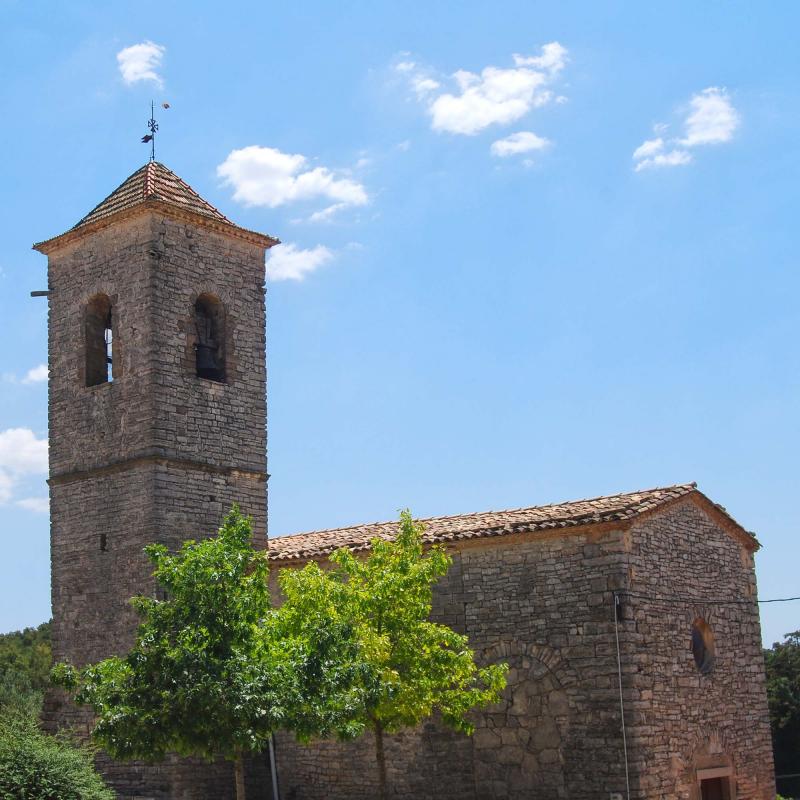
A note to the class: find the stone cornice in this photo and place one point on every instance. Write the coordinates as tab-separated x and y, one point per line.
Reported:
70	476
154	205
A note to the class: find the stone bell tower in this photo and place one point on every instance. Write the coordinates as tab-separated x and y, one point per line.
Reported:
157	415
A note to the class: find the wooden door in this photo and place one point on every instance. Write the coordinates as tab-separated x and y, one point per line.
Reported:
714	789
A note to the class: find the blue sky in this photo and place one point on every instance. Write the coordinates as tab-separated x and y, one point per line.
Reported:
533	252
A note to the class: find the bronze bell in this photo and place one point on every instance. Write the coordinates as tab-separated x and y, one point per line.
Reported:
207	366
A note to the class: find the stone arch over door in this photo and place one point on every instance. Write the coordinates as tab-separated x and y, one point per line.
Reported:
709	752
519	743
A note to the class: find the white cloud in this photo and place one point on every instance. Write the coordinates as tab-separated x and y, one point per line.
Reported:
496	96
288	262
40	505
326	214
423	86
553	58
6	487
521	142
21	455
672	158
36	375
711	119
264	176
140	62
648	148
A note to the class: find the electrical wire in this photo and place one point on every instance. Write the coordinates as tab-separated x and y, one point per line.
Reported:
702	600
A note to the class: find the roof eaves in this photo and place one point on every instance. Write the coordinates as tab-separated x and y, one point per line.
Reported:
480	525
168	209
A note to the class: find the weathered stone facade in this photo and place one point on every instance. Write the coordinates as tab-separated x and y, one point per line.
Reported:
684	722
157	454
580	599
545	603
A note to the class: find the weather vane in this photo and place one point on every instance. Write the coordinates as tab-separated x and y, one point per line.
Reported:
152	126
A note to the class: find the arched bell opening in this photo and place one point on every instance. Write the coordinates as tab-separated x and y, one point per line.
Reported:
209	319
98	329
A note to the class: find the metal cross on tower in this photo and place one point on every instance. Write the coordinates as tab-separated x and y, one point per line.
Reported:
152	126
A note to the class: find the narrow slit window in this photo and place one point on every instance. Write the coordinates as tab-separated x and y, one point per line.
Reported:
209	318
108	338
703	648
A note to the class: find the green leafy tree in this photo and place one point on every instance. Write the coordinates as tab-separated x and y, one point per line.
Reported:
405	668
25	662
199	680
326	679
782	663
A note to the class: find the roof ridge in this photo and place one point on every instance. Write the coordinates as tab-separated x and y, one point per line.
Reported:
615	509
186	186
149	187
83	220
685	487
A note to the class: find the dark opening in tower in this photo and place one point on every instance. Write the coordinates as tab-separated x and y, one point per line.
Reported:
99	341
209	319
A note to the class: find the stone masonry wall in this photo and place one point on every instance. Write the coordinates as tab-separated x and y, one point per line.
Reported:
544	605
99	525
679	720
156	455
99	425
218	423
153	269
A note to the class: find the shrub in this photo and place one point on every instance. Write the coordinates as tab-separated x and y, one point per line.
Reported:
34	766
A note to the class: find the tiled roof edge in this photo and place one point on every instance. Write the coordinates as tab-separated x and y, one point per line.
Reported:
357	537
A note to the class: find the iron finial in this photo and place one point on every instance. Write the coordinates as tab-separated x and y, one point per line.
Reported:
152	126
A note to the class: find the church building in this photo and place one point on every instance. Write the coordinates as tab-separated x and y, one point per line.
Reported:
630	622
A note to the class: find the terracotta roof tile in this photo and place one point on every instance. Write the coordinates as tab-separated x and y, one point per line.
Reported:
153	181
154	186
612	508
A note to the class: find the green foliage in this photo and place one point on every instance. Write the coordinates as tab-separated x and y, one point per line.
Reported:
327	681
17	700
25	660
782	663
386	666
215	670
39	767
403	666
199	679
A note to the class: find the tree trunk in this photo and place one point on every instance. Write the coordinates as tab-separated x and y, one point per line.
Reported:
380	758
238	768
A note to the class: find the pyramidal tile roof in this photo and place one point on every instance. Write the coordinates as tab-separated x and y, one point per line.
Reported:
153	181
155	185
611	508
